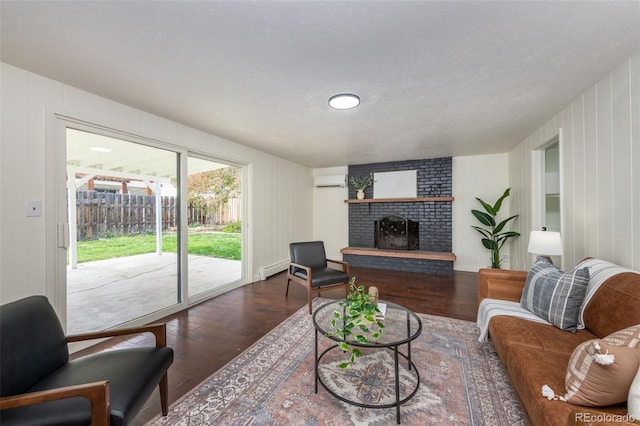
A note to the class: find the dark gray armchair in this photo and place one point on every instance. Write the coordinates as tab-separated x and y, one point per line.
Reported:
310	267
40	386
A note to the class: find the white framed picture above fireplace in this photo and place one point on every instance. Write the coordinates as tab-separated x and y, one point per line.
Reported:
398	184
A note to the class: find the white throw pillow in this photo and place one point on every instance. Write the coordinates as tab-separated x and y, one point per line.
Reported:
633	402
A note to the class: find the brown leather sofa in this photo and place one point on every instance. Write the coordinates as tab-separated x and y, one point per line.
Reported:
537	354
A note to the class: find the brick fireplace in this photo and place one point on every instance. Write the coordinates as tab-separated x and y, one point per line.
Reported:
396	233
432	220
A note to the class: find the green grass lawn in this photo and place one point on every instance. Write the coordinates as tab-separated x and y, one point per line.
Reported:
220	245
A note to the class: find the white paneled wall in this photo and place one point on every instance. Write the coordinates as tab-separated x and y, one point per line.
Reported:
279	211
485	177
331	214
600	172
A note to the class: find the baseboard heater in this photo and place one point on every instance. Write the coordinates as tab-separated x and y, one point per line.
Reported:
270	270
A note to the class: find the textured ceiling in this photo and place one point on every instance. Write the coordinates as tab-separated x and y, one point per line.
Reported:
436	78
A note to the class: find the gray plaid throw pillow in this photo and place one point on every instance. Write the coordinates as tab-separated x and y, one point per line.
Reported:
554	295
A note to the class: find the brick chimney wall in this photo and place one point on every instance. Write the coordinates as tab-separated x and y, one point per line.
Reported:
434	179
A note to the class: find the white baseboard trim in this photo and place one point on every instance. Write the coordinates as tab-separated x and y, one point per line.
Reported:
267	271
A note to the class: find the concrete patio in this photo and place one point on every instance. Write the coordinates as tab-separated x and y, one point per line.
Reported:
106	293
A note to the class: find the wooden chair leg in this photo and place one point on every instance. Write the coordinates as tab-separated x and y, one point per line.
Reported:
309	293
287	292
164	394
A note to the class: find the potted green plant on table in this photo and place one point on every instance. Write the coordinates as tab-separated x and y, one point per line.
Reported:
360	183
494	237
356	320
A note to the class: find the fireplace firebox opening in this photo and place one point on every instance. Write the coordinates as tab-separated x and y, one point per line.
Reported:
396	233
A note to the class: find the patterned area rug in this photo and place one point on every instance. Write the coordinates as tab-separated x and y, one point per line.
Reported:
462	382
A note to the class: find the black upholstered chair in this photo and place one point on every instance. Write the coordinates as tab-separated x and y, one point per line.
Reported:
310	267
40	385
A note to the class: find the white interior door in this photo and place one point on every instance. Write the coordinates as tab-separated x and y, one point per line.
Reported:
547	184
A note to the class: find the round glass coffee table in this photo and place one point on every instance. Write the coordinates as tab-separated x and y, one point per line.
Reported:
401	327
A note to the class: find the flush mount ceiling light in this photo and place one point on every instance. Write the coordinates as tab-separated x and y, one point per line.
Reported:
344	101
99	149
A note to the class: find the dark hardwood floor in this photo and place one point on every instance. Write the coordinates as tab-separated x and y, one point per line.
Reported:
209	335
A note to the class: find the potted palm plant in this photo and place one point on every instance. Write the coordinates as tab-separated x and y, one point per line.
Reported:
356	320
494	237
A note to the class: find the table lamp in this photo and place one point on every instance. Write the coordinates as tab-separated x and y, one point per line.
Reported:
545	243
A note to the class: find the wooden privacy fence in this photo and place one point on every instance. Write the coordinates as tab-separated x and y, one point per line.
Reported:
223	215
102	213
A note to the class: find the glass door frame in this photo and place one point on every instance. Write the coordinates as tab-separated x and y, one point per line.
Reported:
57	211
244	173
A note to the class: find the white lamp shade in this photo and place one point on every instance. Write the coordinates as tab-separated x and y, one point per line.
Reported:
546	243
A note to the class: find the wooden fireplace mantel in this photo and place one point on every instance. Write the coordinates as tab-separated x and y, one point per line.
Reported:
399	200
407	254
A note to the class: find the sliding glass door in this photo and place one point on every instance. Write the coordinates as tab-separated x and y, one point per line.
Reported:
214	232
123	227
151	227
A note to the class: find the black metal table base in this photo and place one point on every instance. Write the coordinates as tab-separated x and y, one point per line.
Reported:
396	354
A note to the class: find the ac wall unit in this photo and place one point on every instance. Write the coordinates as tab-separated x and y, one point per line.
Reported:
330	181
